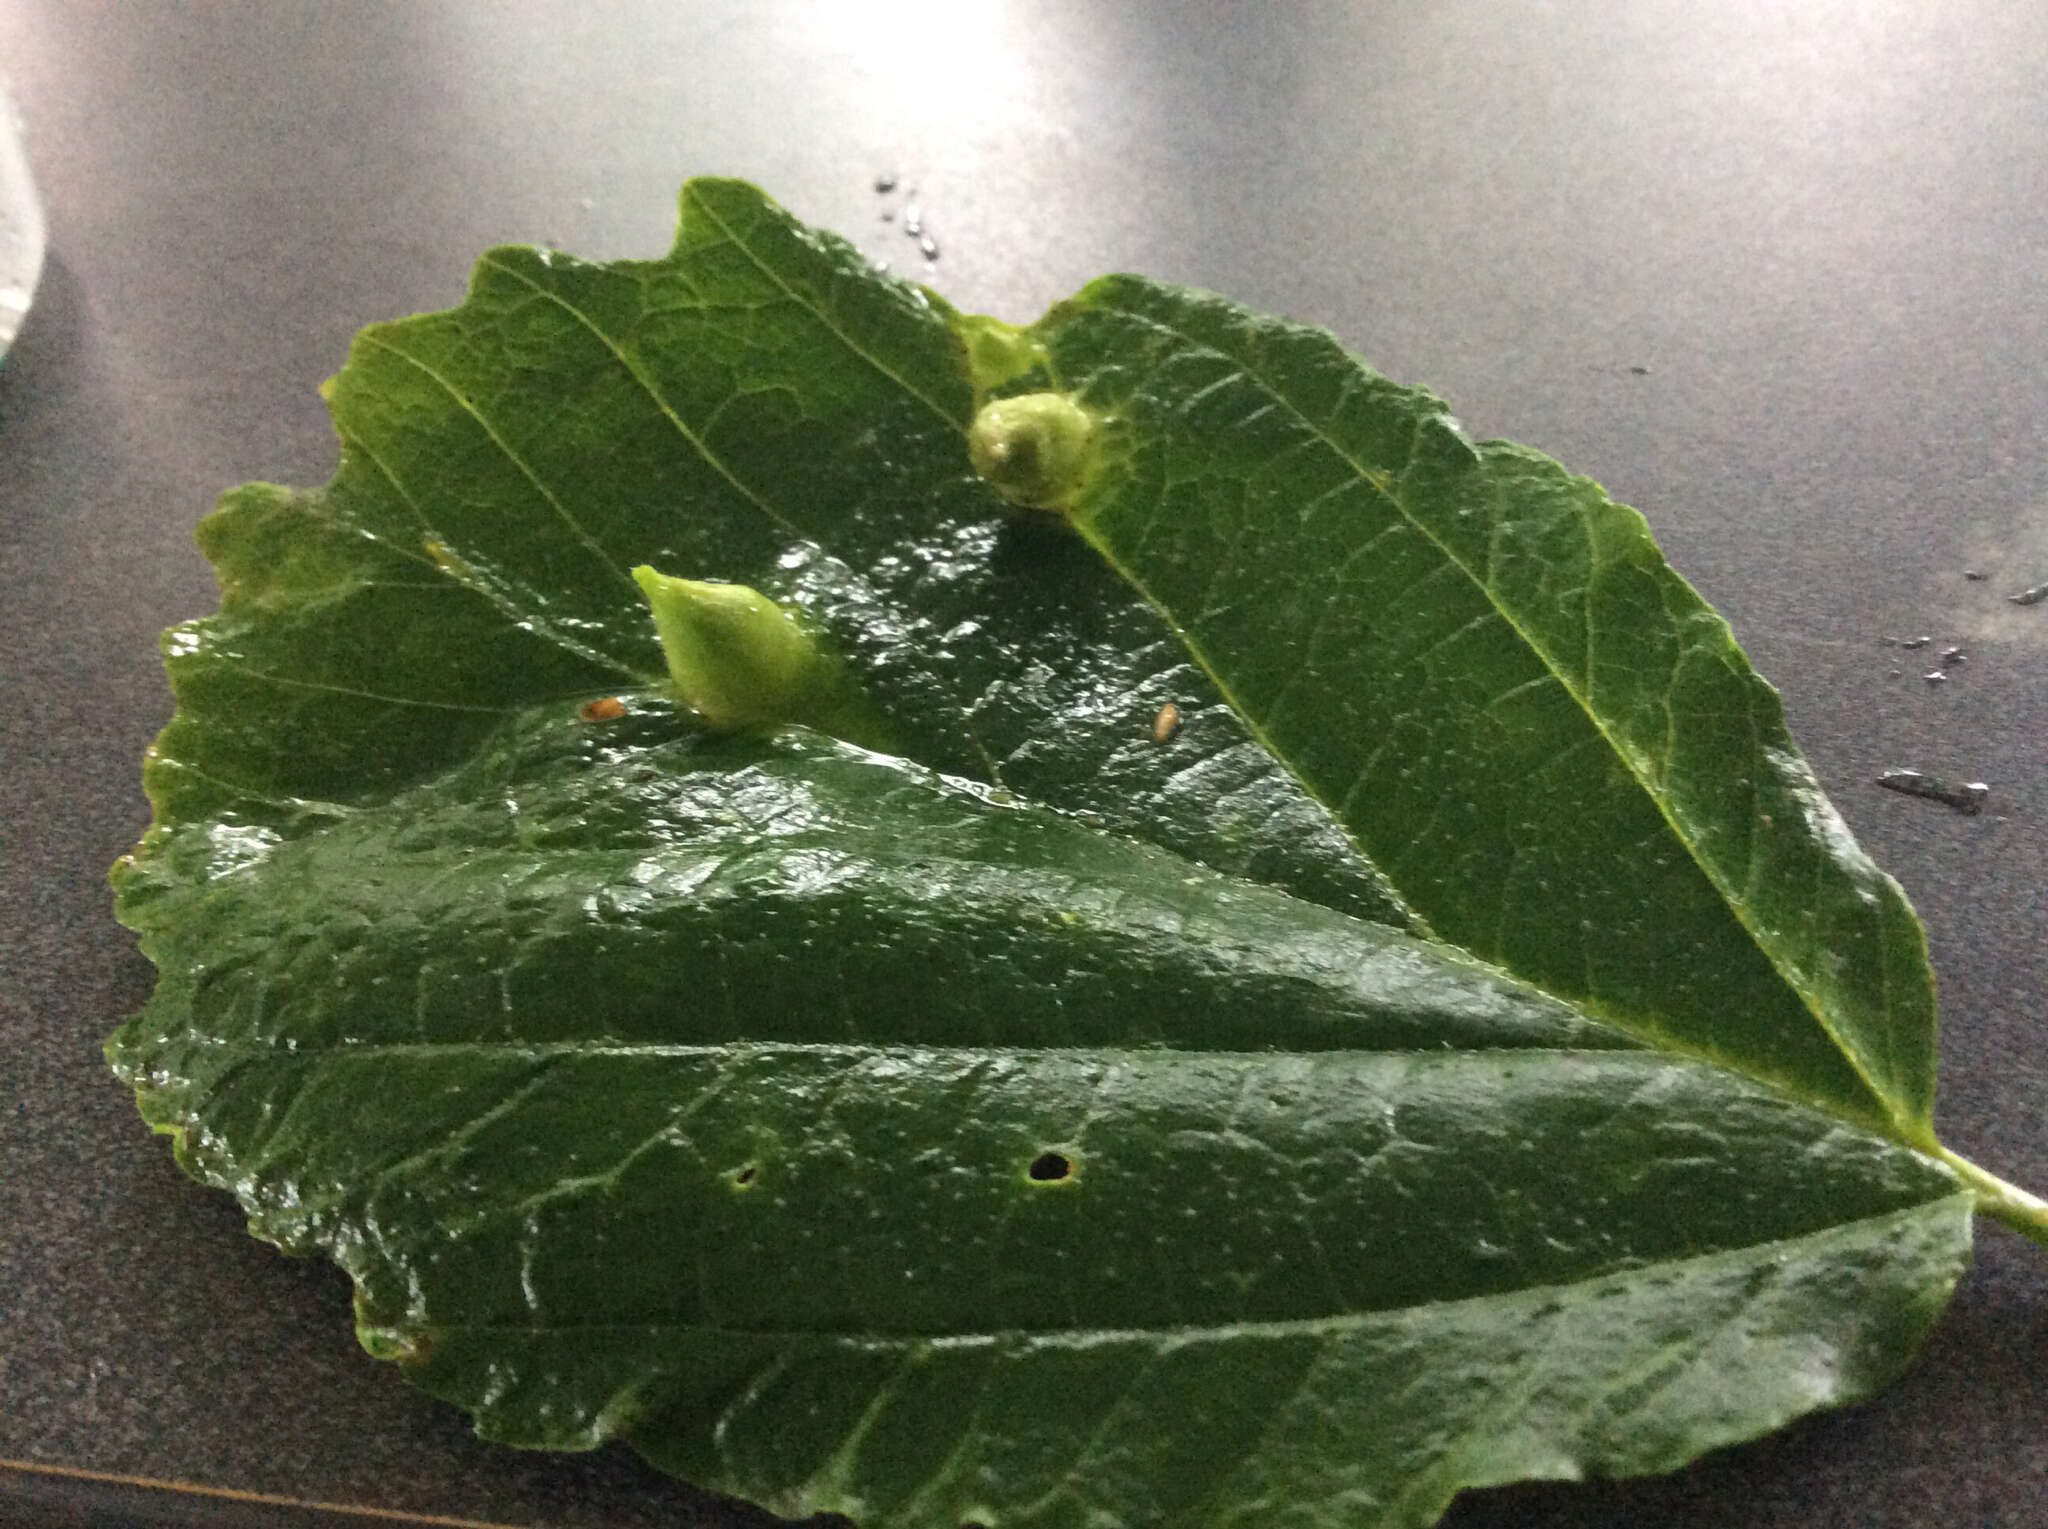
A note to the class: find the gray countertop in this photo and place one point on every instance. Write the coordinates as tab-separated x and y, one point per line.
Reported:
1772	273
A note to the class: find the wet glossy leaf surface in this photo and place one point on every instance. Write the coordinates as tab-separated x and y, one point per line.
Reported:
1547	741
1034	1115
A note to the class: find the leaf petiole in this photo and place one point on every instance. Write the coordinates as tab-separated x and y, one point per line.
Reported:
2025	1213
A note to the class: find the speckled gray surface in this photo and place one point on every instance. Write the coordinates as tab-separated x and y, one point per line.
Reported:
1772	273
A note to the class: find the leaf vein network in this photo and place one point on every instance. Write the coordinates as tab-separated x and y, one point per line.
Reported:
1731	900
524	468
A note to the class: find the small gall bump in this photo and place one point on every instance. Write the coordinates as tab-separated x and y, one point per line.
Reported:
1035	449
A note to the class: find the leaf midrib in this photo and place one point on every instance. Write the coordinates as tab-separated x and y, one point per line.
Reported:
1222	1331
737	1050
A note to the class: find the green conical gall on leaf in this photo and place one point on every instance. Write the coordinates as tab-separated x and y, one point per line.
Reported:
737	657
1034	449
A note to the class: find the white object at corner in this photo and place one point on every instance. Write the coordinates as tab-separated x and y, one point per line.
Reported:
21	228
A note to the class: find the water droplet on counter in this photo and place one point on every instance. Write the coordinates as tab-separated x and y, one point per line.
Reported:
2032	596
888	215
913	221
885	182
1975	576
1950	657
1935	677
1966	797
928	247
1909	642
1639	371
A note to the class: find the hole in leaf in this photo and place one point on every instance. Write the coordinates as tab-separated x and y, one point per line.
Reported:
743	1176
1050	1168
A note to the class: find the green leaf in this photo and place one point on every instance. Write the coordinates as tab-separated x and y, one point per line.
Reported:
1541	734
1023	1107
609	1065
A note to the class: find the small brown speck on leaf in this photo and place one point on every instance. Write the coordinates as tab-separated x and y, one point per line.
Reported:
1164	724
602	711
